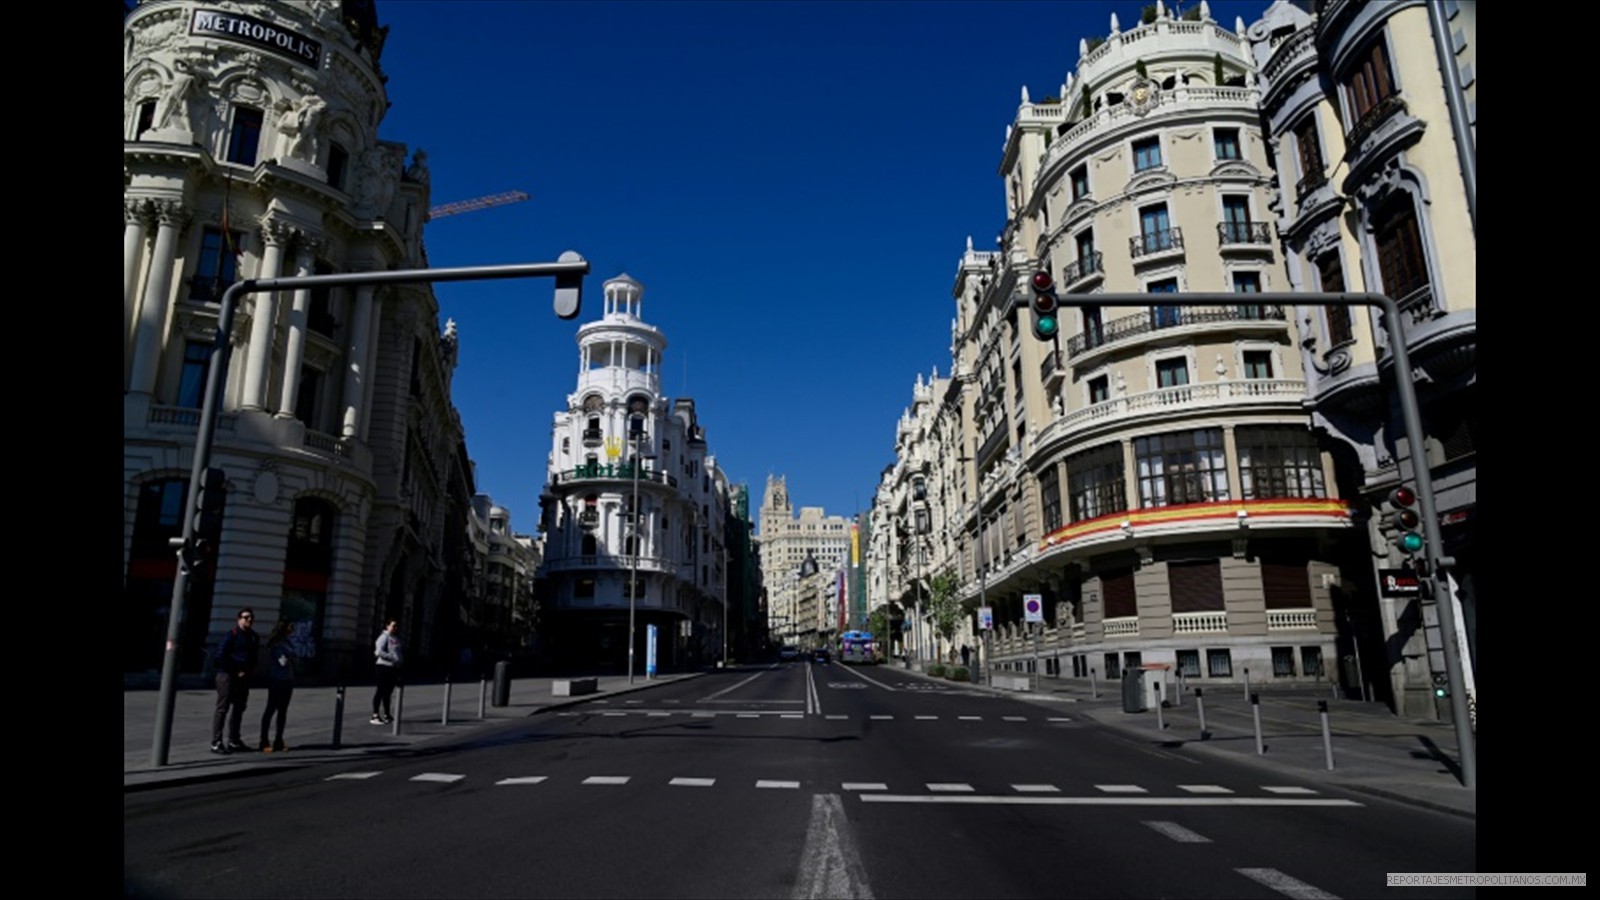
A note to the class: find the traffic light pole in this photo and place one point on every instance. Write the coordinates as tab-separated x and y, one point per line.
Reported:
1437	564
568	272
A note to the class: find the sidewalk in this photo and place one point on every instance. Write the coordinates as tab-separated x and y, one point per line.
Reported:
1412	761
309	728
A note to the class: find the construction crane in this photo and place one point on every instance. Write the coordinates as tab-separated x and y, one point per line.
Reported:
461	206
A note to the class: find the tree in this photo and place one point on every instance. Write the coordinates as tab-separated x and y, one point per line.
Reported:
878	624
944	607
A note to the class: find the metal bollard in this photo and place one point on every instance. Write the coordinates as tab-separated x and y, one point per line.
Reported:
1255	710
1247	682
338	715
1161	721
1200	707
483	693
1094	689
1327	737
444	715
399	708
1333	688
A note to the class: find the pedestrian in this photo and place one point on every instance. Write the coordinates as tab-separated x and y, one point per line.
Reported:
966	655
234	659
387	651
280	682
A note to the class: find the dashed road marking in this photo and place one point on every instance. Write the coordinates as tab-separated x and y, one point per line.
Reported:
833	716
970	718
1015	718
692	782
1283	884
657	715
1121	789
792	716
749	715
1288	790
1060	719
1179	833
864	786
764	783
881	718
441	777
357	776
950	788
613	714
926	718
1204	789
1036	788
526	779
606	779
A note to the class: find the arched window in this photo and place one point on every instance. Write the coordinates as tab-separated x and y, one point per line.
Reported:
307	569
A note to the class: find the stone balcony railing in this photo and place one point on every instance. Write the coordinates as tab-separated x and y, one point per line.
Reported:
614	472
1184	98
610	561
1126	626
186	417
1269	391
1209	622
1291	619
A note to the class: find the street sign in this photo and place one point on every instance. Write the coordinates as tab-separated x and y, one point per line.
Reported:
650	651
1397	583
986	618
1033	608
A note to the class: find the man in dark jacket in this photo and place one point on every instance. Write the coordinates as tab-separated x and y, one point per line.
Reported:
234	660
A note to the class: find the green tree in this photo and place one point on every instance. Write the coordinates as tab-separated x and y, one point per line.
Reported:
944	607
878	624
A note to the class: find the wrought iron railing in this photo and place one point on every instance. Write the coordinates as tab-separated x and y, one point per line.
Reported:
1169	317
1155	242
1244	233
1374	117
1082	268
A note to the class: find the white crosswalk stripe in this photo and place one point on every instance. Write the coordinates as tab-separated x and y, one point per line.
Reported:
1179	833
1288	790
526	779
764	783
442	777
1036	788
864	786
949	788
1204	789
692	782
1121	789
357	776
607	779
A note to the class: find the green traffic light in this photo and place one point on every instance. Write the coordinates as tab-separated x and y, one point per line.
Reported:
1410	542
1046	327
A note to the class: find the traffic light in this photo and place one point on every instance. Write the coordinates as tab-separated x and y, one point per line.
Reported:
1046	308
208	504
1441	685
1403	519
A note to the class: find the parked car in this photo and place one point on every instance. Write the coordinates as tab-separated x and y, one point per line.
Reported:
789	653
820	655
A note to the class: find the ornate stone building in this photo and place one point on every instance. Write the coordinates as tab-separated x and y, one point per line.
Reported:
251	150
788	541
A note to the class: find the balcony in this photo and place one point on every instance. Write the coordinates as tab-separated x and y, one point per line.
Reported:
1188	398
610	561
1247	236
589	518
614	472
1078	274
186	417
1129	327
1374	117
1210	622
1156	245
327	443
1126	626
1052	369
1291	619
592	437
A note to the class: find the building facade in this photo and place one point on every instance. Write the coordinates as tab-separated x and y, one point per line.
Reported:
251	150
501	616
1150	475
1372	109
787	542
634	506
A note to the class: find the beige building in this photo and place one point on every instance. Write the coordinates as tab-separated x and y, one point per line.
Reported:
251	150
787	541
1373	110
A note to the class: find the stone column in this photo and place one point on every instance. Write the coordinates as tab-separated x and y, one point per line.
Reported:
356	373
170	218
135	219
295	345
263	319
370	388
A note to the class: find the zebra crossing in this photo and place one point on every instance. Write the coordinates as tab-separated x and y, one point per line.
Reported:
790	714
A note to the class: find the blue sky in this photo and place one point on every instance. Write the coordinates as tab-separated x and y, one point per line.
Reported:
793	183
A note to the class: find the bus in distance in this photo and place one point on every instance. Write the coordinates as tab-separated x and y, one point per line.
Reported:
856	648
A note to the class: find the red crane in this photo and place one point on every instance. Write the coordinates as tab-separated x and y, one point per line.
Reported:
461	206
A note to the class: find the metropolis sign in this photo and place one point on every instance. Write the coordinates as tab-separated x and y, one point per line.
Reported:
248	30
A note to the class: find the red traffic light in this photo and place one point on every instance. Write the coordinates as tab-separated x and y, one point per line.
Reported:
1043	282
1403	497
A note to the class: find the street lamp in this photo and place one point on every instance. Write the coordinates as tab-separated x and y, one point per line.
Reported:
568	271
637	435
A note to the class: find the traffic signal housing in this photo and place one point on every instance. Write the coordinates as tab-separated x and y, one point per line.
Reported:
1046	307
208	503
1403	519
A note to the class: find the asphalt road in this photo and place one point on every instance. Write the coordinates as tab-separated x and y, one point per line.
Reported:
793	780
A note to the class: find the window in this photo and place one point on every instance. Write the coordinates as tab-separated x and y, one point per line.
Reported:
1337	318
1282	662
1189	663
1258	363
245	136
1219	663
305	405
1285	584
338	165
1235	220
1400	258
1080	182
1155	229
1088	260
1099	389
1113	666
1164	316
1121	599
1249	283
217	266
145	116
1146	154
1093	329
1181	467
1095	483
1312	170
319	317
1050	497
1225	141
1311	661
1172	372
583	589
1278	461
192	380
1195	585
1369	83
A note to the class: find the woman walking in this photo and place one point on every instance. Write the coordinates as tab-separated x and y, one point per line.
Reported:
280	682
387	651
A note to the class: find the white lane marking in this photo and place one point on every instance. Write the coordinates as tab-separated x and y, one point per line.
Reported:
529	779
613	714
734	686
566	713
633	701
970	718
834	716
703	715
1015	718
1288	790
1179	833
872	680
1036	788
764	783
358	776
1121	789
882	718
793	716
814	707
1014	800
830	864
748	715
864	786
441	777
692	782
926	718
1204	788
657	715
1060	719
607	779
1283	884
950	787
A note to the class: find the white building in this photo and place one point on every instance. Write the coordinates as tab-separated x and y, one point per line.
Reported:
794	614
674	564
